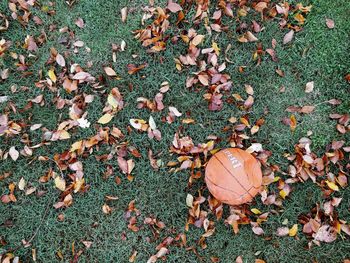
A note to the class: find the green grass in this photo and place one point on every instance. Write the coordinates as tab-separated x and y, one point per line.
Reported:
317	54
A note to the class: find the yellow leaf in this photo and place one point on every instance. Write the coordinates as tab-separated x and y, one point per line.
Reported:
78	184
76	146
216	48
293	122
255	211
52	75
197	40
188	121
112	101
64	135
293	231
332	186
60	183
105	118
283	194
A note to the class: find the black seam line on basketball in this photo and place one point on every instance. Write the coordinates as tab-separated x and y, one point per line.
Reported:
240	196
233	176
222	187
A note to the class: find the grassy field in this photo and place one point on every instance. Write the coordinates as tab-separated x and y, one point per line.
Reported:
316	54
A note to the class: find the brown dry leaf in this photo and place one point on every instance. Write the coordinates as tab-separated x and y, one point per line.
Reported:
293	122
330	23
334	102
239	259
110	72
260	6
174	7
309	87
307	109
288	37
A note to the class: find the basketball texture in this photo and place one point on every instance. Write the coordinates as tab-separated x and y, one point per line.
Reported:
233	176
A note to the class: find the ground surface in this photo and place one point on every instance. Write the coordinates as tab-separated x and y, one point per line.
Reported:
316	54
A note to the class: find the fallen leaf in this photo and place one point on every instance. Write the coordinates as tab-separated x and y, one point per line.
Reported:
105	118
249	89
309	87
330	23
174	7
293	231
288	37
282	231
80	22
52	75
332	185
87	244
110	72
293	122
189	200
258	230
60	183
21	184
124	13
239	259
14	154
326	233
60	60
255	211
106	209
197	40
175	111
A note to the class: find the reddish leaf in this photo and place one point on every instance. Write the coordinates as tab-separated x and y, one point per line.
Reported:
330	23
174	7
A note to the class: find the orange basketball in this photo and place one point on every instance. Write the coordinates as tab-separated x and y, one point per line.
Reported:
233	176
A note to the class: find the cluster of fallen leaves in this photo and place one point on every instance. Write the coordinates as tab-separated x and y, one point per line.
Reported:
207	61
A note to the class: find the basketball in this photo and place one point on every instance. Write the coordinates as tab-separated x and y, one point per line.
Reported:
233	176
